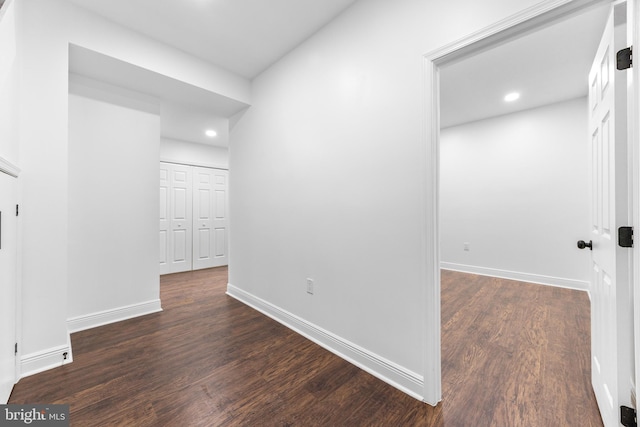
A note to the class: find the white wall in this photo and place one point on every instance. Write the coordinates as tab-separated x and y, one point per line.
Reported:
9	83
48	27
113	201
327	182
43	158
189	153
515	188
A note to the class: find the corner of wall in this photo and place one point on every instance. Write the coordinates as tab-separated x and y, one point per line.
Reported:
40	361
101	318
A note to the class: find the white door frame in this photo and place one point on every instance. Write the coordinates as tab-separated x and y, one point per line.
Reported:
633	128
510	28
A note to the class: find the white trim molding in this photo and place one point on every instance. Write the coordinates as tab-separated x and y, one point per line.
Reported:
560	282
401	378
9	168
34	363
101	318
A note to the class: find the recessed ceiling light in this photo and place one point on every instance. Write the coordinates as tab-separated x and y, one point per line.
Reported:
211	133
512	96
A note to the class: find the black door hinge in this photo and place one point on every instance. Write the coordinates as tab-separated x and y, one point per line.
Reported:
624	58
15	349
625	237
628	417
17	209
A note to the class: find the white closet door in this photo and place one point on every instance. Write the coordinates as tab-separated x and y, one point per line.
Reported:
165	205
177	250
8	284
221	217
203	209
181	218
210	218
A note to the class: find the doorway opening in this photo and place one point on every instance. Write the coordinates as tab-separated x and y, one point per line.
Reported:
503	33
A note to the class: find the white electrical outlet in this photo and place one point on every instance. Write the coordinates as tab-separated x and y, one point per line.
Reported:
466	246
310	286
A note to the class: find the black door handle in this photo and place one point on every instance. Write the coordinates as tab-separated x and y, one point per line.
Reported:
582	244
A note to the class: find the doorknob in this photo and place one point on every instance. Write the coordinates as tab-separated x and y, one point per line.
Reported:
582	244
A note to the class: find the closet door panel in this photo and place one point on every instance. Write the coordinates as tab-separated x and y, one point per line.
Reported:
193	218
221	218
181	218
203	203
165	205
176	219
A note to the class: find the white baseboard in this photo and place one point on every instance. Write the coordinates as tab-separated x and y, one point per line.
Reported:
514	275
389	372
54	357
93	320
34	363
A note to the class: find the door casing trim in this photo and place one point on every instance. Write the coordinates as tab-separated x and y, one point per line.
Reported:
526	21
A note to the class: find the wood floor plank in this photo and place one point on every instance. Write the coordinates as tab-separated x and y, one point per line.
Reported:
513	354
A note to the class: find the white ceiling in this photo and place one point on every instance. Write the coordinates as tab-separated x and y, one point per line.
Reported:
547	66
247	36
186	111
243	36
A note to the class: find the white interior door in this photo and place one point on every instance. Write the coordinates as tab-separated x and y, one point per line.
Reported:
210	217
8	284
611	324
221	217
633	34
177	223
165	204
193	218
180	218
203	211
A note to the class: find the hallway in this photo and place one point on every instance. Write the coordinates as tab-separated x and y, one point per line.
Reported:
513	354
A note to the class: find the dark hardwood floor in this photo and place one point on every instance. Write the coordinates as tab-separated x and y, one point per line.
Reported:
513	354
